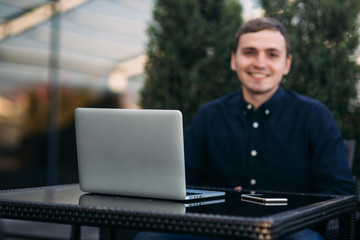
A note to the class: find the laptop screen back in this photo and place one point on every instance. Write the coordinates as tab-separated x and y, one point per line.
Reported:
132	152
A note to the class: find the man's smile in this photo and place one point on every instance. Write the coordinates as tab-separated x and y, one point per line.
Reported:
258	75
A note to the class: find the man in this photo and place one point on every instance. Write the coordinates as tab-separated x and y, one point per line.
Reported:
265	137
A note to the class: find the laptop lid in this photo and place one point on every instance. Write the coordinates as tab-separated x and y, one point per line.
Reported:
133	152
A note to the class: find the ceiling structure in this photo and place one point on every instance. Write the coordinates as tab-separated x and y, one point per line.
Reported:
101	42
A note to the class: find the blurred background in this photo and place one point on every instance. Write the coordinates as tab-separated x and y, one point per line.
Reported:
62	54
56	56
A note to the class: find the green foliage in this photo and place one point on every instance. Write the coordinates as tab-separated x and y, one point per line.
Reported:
189	54
324	36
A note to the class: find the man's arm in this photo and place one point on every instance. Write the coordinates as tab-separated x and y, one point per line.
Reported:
330	170
195	152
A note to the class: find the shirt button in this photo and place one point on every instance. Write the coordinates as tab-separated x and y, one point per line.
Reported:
253	153
249	106
255	124
253	182
267	111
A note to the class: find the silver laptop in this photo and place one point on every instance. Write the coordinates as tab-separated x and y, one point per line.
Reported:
141	204
133	152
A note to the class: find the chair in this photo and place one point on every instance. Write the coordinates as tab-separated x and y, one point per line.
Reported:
332	230
350	151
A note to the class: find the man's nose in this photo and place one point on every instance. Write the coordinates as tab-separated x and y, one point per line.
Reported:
260	60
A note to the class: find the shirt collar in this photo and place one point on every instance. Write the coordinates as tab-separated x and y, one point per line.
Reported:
267	107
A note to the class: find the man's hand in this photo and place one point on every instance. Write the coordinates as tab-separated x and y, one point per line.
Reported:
238	188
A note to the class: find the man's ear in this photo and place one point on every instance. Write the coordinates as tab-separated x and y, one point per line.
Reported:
288	64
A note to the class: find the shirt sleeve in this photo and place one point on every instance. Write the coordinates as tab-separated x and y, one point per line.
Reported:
329	168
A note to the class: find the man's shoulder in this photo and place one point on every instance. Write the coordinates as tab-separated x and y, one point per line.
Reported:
304	101
232	98
220	106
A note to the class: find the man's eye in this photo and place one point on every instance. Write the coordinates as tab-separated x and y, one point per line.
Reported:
248	53
273	55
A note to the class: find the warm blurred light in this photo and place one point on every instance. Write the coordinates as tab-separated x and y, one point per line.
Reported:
117	82
6	108
118	78
13	108
36	17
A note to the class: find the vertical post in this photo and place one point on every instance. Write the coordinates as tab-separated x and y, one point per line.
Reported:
53	134
75	232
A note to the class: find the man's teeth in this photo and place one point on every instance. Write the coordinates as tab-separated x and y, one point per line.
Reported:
258	75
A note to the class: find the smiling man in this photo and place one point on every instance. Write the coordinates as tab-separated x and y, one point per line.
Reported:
265	137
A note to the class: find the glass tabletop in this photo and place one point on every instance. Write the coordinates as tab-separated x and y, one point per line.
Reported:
231	204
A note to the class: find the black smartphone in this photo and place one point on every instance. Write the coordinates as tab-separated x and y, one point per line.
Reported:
265	199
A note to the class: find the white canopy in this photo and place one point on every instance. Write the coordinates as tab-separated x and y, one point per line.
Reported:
101	42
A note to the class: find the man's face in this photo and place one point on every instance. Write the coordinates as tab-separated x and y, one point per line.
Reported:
260	62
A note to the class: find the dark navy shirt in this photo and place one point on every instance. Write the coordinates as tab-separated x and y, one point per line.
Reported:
291	143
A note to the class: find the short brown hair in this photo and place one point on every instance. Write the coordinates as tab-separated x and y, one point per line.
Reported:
259	24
